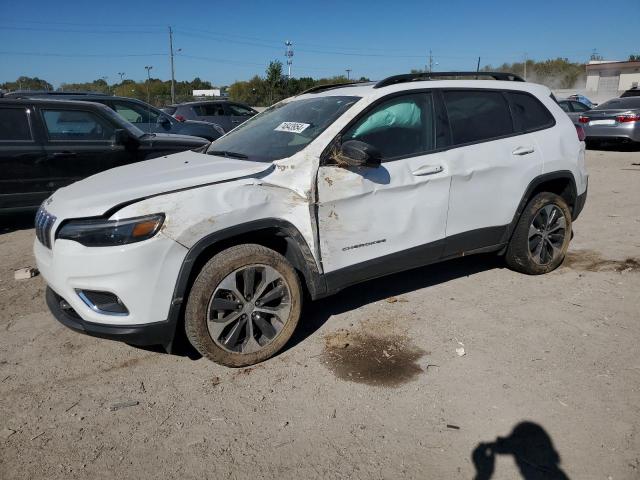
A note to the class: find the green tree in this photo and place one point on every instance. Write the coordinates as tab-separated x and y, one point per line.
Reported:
554	73
27	83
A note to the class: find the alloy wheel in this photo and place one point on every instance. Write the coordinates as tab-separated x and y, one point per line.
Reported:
546	234
248	309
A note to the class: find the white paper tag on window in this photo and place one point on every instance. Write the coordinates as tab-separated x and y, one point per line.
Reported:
293	127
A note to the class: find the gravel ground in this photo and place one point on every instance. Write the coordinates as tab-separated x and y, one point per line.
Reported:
371	387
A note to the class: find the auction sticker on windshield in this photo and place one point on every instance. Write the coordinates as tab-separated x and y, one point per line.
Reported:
293	127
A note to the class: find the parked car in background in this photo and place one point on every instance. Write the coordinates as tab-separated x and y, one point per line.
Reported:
225	244
632	92
582	99
617	120
222	112
573	108
46	144
144	116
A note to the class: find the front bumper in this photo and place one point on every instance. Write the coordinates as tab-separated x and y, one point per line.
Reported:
142	275
158	333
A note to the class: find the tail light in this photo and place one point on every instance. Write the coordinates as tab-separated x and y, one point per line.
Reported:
180	118
580	132
583	119
628	118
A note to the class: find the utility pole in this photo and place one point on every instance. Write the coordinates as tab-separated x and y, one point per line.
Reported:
525	66
430	61
289	55
148	69
348	70
173	75
121	76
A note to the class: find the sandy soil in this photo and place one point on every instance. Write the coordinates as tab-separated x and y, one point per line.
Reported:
372	386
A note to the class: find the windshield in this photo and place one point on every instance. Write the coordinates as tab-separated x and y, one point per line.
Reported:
282	130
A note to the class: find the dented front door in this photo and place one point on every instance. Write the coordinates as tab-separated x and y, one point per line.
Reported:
367	213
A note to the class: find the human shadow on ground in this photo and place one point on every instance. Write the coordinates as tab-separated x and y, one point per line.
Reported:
532	449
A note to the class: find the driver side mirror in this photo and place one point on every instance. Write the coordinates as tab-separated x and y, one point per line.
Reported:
162	120
354	153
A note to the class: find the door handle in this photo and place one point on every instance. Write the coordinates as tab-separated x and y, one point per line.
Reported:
427	170
523	151
61	155
235	121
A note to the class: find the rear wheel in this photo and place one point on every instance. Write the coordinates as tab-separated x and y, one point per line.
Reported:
243	306
541	237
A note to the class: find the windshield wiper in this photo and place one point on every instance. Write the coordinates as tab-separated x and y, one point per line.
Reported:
228	154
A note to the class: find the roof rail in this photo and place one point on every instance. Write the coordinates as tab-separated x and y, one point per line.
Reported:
49	93
415	77
329	86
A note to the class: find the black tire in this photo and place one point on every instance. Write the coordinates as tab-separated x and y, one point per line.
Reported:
201	302
522	253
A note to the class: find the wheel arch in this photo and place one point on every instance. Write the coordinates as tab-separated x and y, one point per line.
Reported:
561	183
277	234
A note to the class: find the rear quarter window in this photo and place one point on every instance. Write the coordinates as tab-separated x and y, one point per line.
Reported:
529	113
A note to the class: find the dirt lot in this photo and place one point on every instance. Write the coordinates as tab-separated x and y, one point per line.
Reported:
372	387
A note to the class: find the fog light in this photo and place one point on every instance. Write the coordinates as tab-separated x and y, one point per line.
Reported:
103	302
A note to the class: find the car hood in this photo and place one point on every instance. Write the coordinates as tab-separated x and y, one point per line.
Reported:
96	195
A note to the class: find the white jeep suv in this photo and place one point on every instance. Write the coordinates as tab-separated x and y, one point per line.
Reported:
335	186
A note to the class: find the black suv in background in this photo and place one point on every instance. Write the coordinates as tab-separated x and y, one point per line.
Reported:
222	112
46	144
144	116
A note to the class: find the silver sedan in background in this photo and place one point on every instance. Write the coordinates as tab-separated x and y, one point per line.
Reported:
615	121
573	108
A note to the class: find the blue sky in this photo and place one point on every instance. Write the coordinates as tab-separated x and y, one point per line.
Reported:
68	41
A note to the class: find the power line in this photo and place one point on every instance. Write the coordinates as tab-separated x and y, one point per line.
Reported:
64	30
82	55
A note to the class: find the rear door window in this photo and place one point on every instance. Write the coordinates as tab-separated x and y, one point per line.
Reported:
565	106
14	125
239	110
400	127
209	110
477	115
76	125
529	113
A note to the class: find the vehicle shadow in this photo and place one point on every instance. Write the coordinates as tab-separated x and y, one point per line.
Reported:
532	450
316	313
16	221
615	147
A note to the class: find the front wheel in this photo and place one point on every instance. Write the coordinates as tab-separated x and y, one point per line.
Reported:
244	306
541	237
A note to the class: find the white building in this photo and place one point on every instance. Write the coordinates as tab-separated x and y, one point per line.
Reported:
214	92
605	78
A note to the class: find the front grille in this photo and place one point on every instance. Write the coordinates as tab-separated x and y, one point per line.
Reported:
44	223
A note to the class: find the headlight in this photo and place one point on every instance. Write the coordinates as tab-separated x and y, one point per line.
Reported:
107	233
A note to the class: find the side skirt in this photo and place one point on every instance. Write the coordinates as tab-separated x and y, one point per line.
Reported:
483	240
